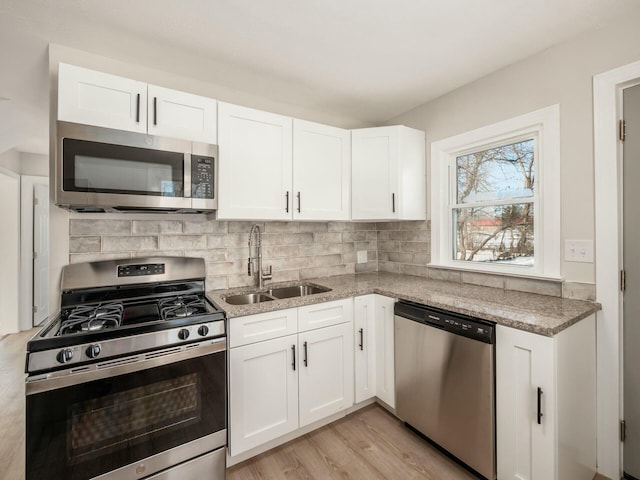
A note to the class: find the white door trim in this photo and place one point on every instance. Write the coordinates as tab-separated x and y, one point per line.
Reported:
607	110
10	259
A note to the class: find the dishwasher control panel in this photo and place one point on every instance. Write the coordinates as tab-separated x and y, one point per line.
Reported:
475	328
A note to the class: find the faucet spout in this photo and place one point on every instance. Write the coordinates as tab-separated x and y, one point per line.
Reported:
257	258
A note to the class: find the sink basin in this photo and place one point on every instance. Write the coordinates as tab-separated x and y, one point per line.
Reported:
247	299
297	291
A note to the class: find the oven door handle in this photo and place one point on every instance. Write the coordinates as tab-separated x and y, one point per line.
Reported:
121	366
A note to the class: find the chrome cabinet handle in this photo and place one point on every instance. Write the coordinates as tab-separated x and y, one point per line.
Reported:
299	204
540	414
155	110
361	344
306	363
286	199
393	202
138	108
293	351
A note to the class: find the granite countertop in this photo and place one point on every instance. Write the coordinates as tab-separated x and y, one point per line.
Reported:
541	314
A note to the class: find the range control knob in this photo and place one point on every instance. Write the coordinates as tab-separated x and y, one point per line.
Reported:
64	355
93	350
183	334
203	330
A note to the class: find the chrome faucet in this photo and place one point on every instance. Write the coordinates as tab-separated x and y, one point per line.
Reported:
262	276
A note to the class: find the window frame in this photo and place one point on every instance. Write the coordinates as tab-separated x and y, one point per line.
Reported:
544	126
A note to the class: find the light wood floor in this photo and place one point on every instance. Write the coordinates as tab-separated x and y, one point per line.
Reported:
369	444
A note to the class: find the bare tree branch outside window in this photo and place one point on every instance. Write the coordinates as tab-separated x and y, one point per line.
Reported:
493	217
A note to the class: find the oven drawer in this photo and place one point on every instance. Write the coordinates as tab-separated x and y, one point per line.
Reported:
211	466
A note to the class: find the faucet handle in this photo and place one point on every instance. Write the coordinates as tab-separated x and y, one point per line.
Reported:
268	275
249	266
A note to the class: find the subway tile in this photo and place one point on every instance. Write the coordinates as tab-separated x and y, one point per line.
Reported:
317	272
227	240
389	246
215	269
417	270
244	227
128	244
306	227
209	254
487	280
216	283
241	253
239	280
205	226
322	260
279	251
157	253
96	257
421	258
182	242
84	244
289	263
327	248
149	227
79	226
389	266
416	247
413	225
542	287
341	226
281	227
329	237
579	291
298	238
366	267
400	257
443	274
359	236
387	226
285	276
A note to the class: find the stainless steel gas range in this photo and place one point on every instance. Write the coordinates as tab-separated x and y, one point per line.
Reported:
129	382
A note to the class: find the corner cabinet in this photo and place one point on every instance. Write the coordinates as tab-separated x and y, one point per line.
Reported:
546	403
278	381
388	171
95	98
364	328
385	350
255	162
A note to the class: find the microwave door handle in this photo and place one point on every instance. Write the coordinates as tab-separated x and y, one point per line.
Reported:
187	175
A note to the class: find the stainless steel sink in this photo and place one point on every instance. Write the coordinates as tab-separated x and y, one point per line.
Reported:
297	291
248	298
301	290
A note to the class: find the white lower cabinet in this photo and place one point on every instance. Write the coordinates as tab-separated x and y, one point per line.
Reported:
263	392
385	357
326	372
546	404
277	385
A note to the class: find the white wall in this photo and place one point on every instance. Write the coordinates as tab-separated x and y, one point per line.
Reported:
9	251
10	160
562	74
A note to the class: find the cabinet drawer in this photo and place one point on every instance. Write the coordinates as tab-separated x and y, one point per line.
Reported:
325	314
262	326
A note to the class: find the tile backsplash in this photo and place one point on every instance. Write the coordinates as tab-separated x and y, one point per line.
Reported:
295	250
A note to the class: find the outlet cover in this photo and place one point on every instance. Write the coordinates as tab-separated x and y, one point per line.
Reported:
578	251
362	256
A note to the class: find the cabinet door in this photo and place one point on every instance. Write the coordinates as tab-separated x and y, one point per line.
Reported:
365	347
262	326
178	114
375	183
325	314
385	360
255	164
326	372
96	98
525	362
321	172
263	392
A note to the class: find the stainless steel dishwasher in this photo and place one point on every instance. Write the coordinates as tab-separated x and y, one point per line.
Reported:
445	382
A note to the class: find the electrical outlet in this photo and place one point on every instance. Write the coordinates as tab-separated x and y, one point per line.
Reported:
578	251
362	256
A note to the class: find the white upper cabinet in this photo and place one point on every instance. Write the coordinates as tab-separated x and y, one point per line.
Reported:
388	171
321	172
96	98
255	164
176	114
100	99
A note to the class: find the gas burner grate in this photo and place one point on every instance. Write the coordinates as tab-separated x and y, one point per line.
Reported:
181	306
85	318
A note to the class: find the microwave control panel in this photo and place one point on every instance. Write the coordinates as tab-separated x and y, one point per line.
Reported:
202	176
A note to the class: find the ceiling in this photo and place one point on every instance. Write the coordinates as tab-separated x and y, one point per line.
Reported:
365	60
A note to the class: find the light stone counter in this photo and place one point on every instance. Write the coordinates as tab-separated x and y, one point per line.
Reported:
541	314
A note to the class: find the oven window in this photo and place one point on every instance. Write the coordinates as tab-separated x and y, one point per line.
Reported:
105	168
86	430
109	423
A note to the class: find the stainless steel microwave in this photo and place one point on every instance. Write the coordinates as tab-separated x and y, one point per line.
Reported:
105	170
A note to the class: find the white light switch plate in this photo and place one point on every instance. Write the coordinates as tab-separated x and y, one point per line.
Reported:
362	256
578	251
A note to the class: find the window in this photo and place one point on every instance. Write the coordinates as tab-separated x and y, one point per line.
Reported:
495	197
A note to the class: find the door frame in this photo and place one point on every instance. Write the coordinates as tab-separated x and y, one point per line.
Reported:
28	183
607	111
10	325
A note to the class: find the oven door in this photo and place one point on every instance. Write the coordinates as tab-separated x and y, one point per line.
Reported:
130	420
102	167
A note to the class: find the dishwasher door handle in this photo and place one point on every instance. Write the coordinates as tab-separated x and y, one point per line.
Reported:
540	414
